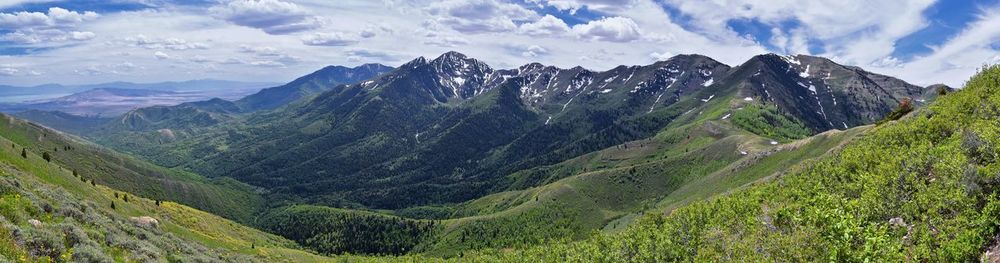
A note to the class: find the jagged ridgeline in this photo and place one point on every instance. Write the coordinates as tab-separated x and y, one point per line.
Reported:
923	188
446	156
452	129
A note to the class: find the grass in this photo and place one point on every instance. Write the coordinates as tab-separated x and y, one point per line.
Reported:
695	158
180	225
224	197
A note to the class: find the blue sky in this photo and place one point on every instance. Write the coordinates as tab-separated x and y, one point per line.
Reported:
90	41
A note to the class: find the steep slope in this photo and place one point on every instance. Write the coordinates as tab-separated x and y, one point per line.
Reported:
63	121
919	189
314	83
822	94
51	214
221	196
451	129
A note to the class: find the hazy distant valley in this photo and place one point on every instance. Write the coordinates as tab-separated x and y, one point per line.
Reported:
113	99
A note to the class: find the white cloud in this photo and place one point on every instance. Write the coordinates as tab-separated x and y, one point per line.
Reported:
160	55
598	5
45	28
614	29
46	36
953	62
446	41
329	39
525	50
548	25
271	16
170	43
657	56
8	71
227	42
846	29
479	16
56	17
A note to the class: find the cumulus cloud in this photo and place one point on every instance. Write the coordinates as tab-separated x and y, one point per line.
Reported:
329	39
160	55
39	28
548	25
264	50
614	29
528	51
39	36
845	28
56	17
610	6
958	58
480	16
272	16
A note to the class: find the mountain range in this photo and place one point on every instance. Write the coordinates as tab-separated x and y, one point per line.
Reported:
448	155
113	99
451	129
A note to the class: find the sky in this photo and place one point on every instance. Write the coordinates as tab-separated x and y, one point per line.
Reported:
91	41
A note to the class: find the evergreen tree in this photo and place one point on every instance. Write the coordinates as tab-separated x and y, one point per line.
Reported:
113	205
24	153
47	156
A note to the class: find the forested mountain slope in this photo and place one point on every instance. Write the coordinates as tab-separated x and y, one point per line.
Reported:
451	129
221	196
919	189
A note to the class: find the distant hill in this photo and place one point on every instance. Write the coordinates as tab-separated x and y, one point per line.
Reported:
112	99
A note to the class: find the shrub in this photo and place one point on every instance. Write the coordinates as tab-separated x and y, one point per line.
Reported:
89	254
42	243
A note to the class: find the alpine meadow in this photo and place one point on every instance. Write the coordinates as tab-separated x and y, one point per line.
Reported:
499	131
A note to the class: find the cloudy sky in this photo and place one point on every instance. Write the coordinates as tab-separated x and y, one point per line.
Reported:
91	41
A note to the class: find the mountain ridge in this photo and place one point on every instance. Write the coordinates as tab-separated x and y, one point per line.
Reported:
404	121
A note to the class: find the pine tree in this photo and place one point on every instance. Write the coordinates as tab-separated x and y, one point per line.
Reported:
125	197
112	205
24	153
92	183
47	156
116	195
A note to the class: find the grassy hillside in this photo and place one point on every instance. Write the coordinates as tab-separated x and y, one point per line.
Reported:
50	214
703	155
224	197
919	189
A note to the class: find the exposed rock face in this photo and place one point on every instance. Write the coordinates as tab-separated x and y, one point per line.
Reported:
35	222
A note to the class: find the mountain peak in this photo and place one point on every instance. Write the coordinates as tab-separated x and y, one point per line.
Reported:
452	54
419	61
454	58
